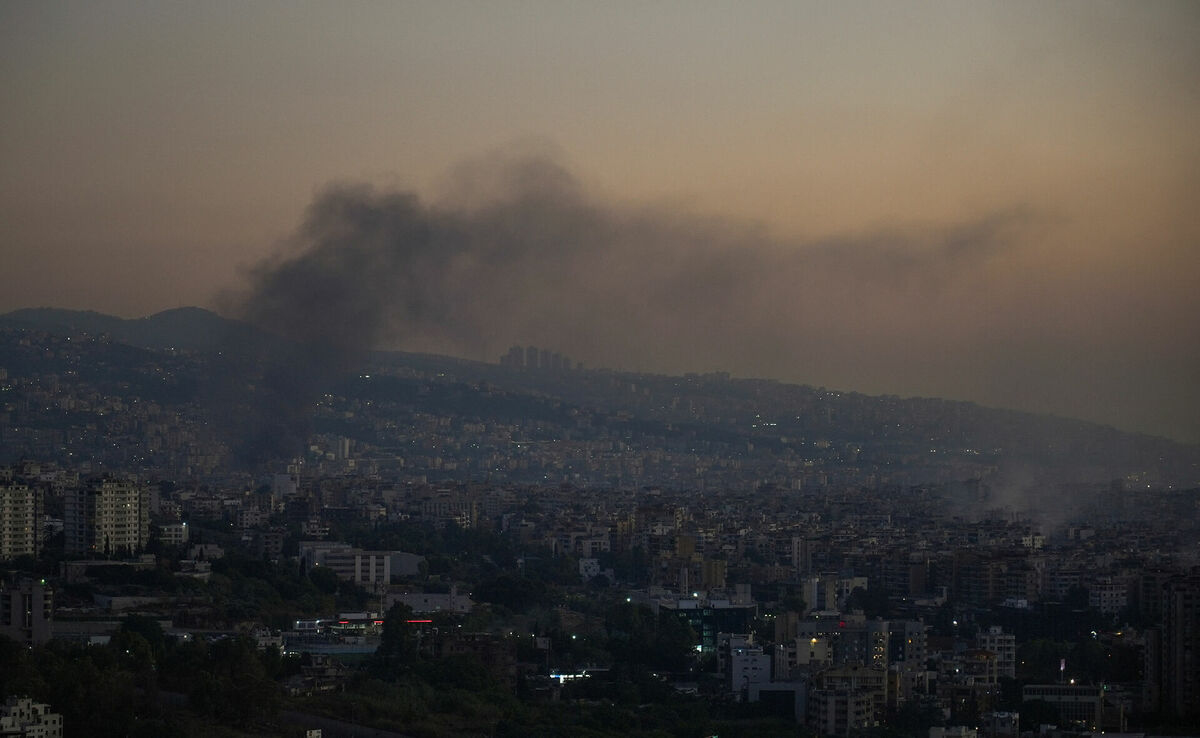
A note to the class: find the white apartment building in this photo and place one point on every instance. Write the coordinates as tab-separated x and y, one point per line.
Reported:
1004	645
21	717
19	521
106	516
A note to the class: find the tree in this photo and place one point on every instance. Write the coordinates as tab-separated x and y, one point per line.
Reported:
675	642
873	602
148	628
324	579
133	652
1077	597
1038	712
517	593
398	642
792	602
239	683
637	638
1038	660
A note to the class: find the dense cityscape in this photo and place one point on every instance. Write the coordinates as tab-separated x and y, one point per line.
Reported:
533	547
669	369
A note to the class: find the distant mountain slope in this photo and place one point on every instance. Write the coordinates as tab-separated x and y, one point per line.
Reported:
868	428
762	412
57	320
189	328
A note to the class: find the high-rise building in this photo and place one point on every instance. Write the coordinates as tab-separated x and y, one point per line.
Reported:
106	516
1004	645
20	520
26	609
839	712
907	642
1181	646
515	357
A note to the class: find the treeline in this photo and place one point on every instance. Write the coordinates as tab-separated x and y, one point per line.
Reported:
127	687
406	688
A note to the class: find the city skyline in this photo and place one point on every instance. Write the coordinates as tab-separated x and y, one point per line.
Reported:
990	202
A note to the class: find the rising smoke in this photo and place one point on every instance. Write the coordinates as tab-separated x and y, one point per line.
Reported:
519	252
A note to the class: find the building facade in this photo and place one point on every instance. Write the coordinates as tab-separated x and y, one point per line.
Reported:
21	717
1180	641
1080	704
26	610
371	569
1004	645
106	517
20	520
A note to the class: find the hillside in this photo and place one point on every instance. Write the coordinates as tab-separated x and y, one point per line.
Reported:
761	430
188	328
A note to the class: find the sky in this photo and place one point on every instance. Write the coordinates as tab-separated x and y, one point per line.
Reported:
996	202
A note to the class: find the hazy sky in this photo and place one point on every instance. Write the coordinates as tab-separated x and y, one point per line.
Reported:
995	202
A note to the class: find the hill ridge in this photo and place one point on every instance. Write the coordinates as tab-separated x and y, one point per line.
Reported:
201	329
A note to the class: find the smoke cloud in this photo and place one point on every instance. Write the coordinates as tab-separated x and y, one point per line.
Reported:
518	251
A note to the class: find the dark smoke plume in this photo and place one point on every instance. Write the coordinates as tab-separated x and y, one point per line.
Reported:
520	253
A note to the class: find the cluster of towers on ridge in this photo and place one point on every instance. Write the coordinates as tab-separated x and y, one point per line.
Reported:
531	357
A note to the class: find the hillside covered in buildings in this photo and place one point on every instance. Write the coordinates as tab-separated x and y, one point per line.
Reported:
191	394
433	547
